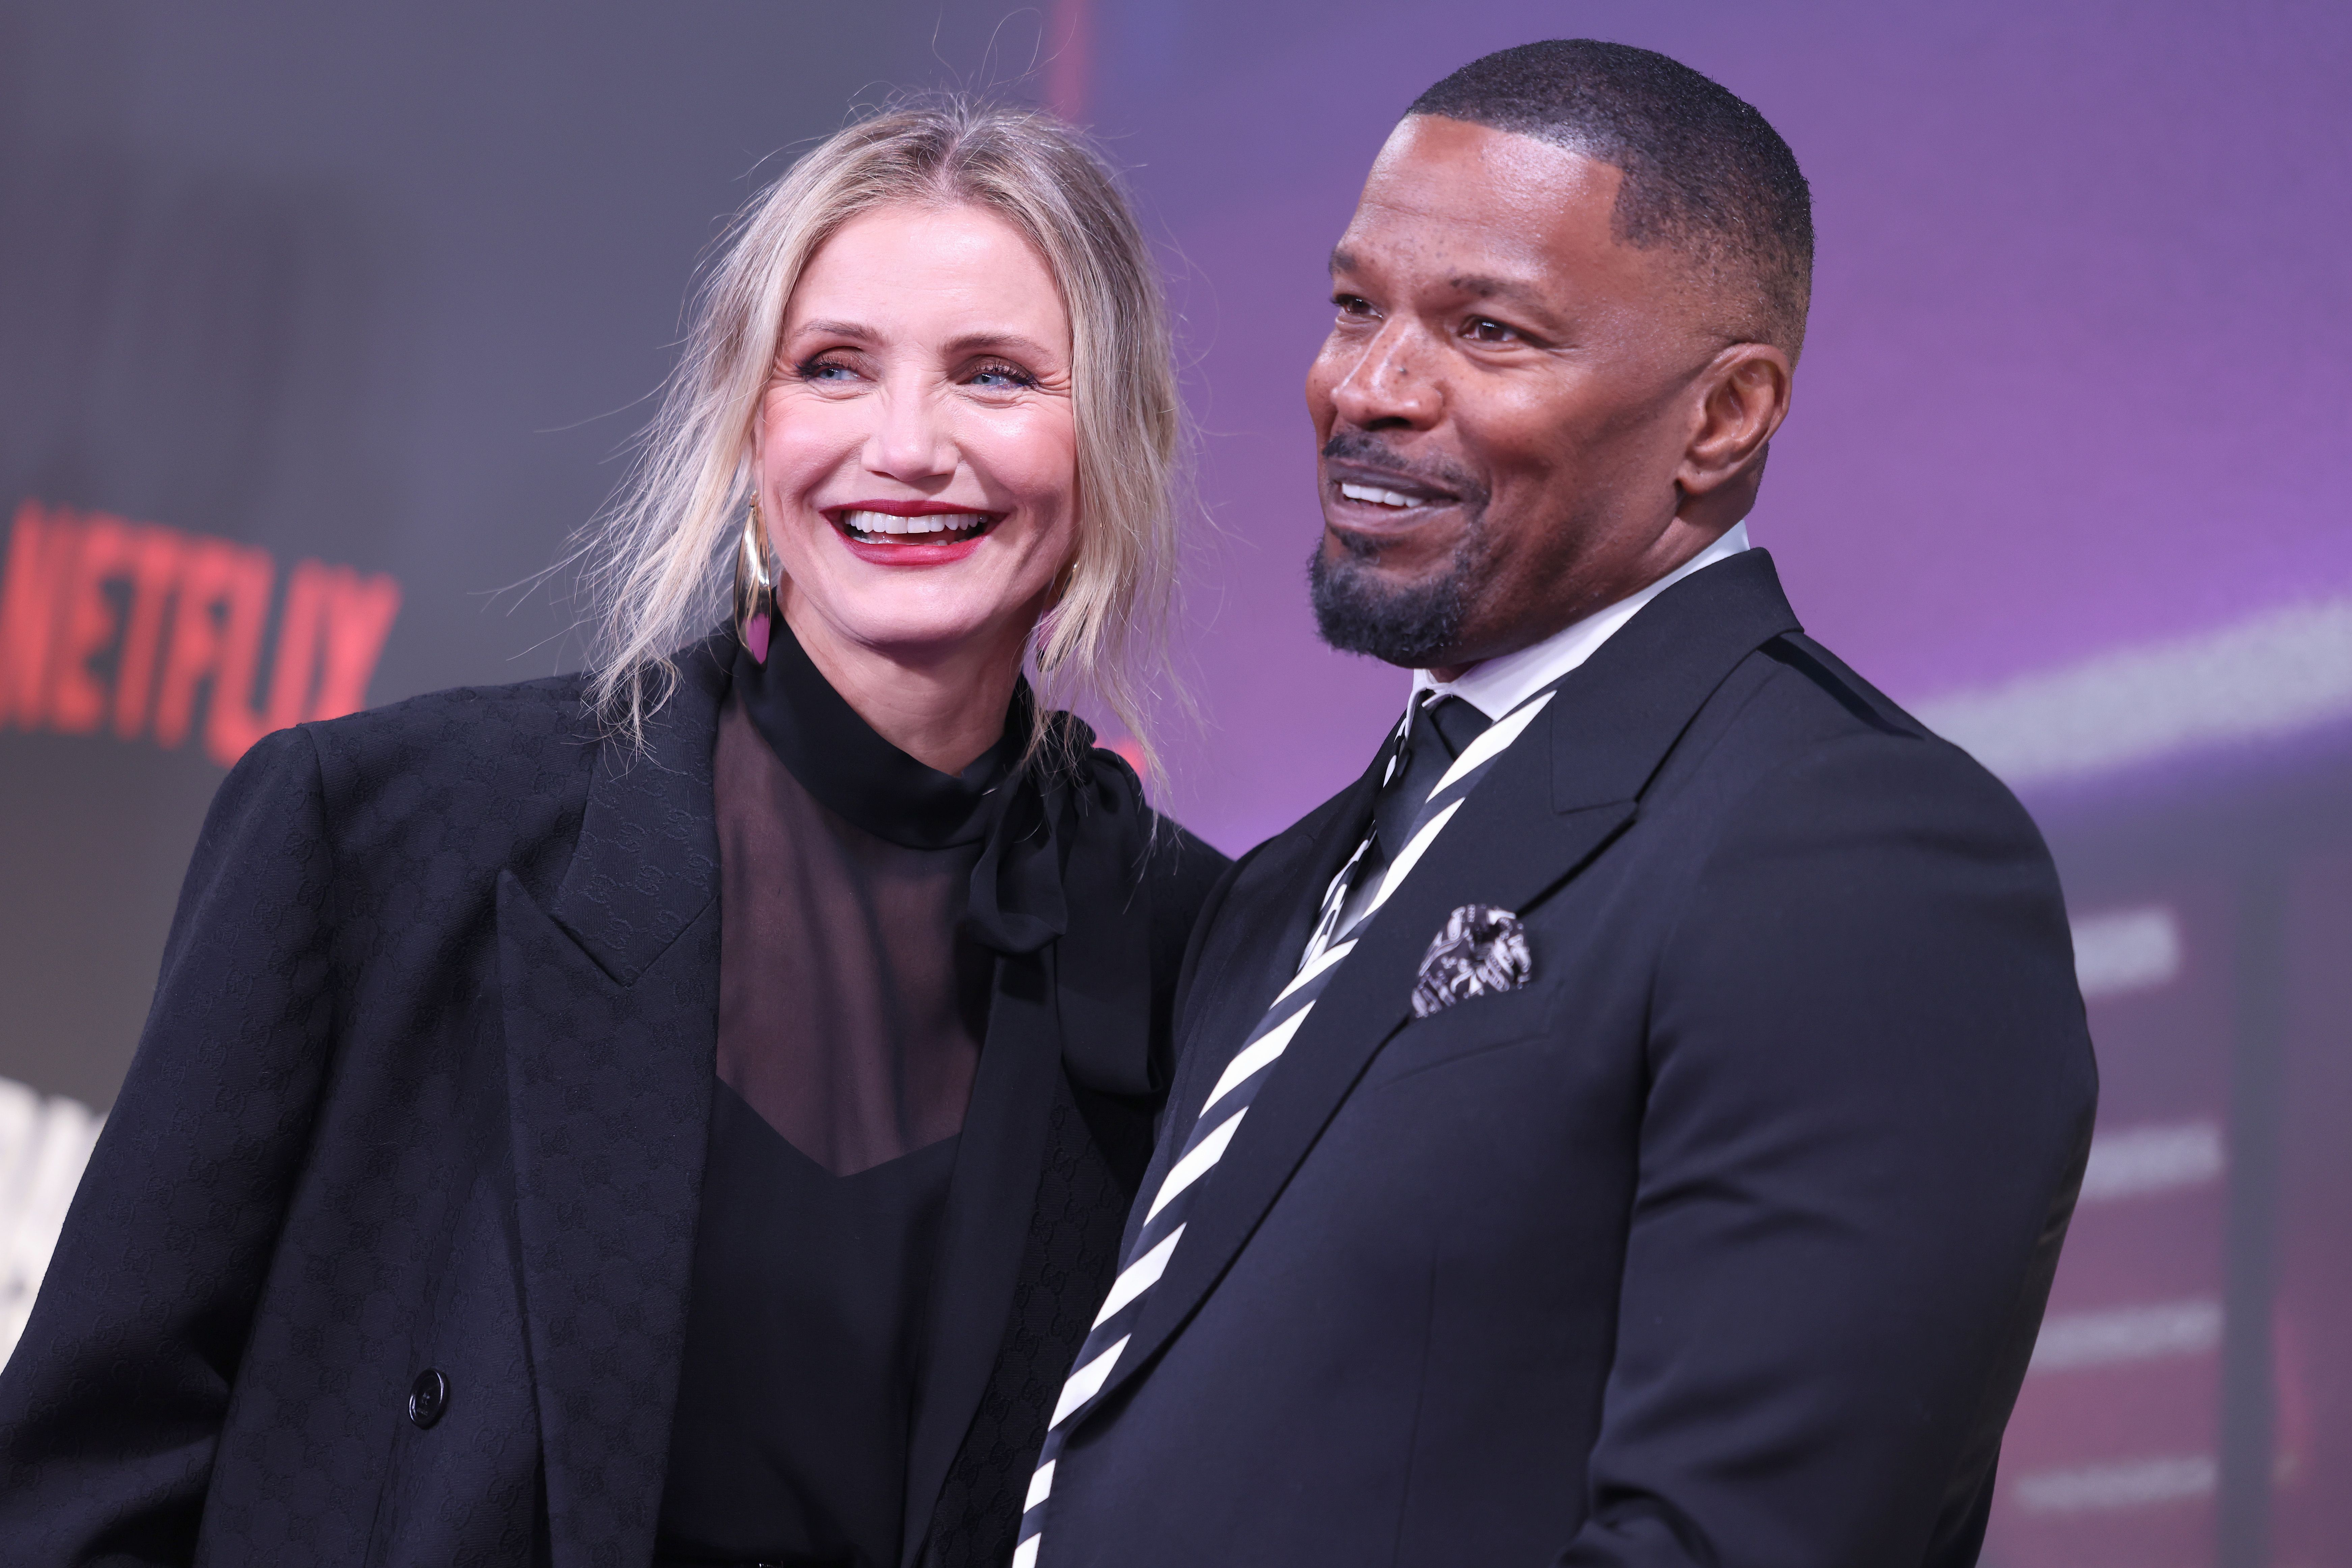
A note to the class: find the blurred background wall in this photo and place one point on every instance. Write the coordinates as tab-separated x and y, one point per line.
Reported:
322	328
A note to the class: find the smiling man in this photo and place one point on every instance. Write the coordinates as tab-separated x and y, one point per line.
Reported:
1635	1123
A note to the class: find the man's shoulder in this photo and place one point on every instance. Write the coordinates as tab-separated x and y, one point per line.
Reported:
1797	730
1812	669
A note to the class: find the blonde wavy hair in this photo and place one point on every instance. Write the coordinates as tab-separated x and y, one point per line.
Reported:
659	561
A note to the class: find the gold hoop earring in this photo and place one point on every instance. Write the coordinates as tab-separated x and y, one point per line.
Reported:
755	583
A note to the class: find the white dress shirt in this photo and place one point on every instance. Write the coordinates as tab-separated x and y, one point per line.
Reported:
1497	686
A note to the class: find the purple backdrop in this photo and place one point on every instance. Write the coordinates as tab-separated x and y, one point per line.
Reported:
2065	473
367	301
2073	374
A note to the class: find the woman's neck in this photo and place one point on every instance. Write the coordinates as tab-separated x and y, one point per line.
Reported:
943	708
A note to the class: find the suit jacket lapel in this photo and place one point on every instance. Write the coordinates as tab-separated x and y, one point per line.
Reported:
1570	784
609	1001
1333	834
1273	912
1503	849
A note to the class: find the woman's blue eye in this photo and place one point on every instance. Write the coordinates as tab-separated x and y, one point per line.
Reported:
825	370
1004	376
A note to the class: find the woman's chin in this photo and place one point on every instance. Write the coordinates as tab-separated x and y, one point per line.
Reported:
928	630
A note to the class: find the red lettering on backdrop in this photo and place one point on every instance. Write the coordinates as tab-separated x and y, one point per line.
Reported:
41	551
360	620
155	561
329	636
76	701
215	639
299	626
184	616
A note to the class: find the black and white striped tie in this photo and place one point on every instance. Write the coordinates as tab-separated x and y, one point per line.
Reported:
1229	1099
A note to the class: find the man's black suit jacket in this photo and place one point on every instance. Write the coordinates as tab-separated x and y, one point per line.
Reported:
427	1085
1724	1240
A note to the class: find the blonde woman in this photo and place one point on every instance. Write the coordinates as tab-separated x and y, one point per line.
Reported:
684	1112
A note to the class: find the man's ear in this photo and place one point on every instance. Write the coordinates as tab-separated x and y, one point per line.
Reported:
1743	398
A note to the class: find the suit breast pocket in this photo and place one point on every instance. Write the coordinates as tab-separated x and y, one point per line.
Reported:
1467	1030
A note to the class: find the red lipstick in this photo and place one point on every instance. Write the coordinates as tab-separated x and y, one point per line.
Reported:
884	547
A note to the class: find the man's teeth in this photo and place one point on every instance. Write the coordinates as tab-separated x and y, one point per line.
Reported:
937	523
1375	494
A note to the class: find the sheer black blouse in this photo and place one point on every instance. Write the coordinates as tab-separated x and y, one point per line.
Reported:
854	998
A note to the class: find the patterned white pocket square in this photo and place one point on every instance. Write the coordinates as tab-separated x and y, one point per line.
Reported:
1481	950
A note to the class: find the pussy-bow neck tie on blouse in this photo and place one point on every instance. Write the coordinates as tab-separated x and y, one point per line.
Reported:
1069	832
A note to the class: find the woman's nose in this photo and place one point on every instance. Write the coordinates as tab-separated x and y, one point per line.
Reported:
910	442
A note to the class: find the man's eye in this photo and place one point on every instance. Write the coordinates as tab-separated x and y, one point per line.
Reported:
1352	305
1480	330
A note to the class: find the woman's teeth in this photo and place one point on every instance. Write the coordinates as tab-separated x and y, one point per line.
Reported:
937	523
1374	494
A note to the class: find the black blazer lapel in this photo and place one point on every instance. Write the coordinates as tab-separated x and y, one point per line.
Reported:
609	1005
992	1202
1555	798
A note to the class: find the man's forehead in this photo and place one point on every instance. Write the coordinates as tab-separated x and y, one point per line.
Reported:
1441	186
1485	212
1450	165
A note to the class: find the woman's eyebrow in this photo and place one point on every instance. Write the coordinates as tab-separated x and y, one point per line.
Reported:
1003	341
1008	342
858	330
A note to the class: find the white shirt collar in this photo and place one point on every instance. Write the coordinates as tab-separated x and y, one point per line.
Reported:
1497	686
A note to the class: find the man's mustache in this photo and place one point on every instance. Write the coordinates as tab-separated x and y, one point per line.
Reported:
1436	474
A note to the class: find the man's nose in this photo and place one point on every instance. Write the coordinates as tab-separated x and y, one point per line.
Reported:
910	442
1390	385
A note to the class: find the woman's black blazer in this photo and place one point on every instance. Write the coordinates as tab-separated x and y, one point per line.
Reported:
382	1258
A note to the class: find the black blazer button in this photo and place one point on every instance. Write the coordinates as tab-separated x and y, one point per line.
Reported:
428	1397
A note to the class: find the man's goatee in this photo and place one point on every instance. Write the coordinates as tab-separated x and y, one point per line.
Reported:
1409	626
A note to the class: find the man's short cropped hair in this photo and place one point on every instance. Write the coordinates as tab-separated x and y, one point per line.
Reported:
1704	174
